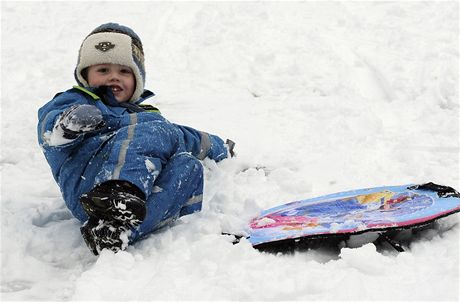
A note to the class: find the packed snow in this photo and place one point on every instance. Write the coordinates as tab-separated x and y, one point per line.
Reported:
320	97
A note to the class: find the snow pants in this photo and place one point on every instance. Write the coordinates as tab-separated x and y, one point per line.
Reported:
178	191
154	157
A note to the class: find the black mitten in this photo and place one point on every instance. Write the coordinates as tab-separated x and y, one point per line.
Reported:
80	119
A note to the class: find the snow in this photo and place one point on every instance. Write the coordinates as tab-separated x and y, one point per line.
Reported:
320	97
150	166
56	137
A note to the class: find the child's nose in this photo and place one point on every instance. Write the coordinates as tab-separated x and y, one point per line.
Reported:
114	75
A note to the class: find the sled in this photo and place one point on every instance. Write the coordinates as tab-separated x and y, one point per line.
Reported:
380	209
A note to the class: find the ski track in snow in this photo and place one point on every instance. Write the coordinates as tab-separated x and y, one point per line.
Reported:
319	97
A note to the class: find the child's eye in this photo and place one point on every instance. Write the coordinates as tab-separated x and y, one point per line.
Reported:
126	70
102	70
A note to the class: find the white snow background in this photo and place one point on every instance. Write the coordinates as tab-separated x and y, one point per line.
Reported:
325	96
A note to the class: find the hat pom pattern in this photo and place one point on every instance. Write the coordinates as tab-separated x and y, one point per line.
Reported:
112	43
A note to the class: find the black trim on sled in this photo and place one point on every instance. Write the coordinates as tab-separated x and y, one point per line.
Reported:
443	191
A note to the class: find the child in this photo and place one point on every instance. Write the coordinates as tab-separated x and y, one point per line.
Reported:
123	169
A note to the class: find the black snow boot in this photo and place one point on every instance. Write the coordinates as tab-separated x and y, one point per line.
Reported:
115	200
114	208
100	234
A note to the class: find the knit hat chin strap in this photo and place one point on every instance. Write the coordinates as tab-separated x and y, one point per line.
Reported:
111	48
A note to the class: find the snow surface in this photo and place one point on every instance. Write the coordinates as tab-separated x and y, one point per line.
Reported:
319	97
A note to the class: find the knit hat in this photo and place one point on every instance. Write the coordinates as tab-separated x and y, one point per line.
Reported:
112	43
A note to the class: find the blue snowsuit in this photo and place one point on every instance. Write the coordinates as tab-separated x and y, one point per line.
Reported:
137	145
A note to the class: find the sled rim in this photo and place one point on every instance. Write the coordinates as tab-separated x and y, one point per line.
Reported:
436	210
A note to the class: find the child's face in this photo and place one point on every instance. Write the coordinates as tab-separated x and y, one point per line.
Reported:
119	78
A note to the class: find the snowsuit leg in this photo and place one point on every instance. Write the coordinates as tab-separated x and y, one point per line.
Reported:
152	156
137	154
178	191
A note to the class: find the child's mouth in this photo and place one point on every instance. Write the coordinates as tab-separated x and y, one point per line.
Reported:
116	88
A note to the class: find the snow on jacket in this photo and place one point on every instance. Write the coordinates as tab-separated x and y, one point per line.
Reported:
135	146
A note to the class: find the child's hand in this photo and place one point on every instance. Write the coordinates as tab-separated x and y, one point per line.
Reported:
80	119
230	146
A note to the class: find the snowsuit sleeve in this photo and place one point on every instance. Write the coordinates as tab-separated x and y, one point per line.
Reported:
202	144
47	116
